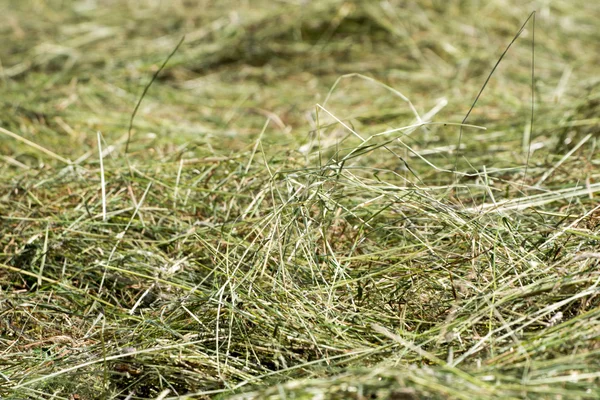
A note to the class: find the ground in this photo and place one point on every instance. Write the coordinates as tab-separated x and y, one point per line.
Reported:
299	199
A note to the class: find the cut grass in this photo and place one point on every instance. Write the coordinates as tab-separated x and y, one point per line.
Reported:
254	244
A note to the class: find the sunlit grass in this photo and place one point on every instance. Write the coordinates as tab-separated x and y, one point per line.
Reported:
295	217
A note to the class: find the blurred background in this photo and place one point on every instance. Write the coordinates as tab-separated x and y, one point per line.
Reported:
80	66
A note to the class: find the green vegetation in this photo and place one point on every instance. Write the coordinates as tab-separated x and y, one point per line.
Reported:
282	225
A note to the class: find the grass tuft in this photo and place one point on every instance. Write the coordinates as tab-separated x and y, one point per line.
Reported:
298	211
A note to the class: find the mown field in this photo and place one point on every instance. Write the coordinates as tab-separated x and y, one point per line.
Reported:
301	201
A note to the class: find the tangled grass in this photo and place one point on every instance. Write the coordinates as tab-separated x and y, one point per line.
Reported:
296	217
